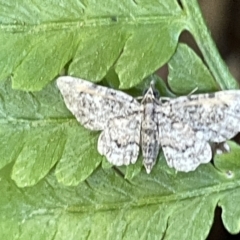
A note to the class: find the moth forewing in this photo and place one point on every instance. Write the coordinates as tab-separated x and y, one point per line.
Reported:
94	105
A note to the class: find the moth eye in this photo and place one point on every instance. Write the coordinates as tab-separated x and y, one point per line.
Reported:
145	91
156	93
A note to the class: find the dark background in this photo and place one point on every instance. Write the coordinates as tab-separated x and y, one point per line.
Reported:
223	19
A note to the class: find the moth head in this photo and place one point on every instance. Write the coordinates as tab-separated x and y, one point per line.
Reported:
151	93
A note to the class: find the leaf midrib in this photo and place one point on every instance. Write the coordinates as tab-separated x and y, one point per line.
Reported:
92	23
147	200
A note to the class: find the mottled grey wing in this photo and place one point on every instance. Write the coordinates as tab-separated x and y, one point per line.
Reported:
94	105
183	148
216	115
120	141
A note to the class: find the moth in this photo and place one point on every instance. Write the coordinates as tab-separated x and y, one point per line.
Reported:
182	127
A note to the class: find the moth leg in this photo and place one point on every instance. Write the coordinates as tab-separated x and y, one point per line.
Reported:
220	148
169	99
139	98
164	99
193	91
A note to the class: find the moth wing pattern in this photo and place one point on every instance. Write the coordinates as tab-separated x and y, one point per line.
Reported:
94	105
182	147
185	125
120	141
215	116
